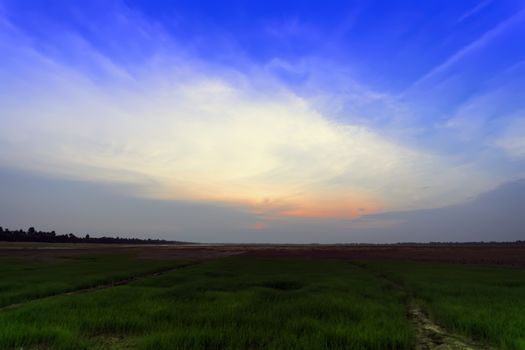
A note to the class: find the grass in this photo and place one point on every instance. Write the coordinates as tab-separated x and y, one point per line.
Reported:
252	303
232	303
484	303
23	279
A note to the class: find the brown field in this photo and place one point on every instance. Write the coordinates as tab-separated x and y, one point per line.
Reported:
486	254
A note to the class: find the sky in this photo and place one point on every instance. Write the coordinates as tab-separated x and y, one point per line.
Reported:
264	121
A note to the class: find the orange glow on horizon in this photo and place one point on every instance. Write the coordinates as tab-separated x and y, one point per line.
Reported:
320	206
259	226
322	213
272	202
333	209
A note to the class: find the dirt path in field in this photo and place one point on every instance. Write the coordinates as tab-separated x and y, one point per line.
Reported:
112	284
430	336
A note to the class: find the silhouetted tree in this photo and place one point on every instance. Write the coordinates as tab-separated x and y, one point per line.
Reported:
33	235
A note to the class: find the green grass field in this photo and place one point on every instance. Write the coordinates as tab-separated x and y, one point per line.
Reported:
252	303
23	279
486	303
233	303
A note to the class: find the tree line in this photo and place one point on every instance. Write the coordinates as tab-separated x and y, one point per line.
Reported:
33	235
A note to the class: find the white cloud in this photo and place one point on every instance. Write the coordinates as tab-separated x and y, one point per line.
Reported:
184	130
512	139
210	139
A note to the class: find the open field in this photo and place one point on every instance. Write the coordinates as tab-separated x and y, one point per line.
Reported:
25	280
485	303
261	297
484	254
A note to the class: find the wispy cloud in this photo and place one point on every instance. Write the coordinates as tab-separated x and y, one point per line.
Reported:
512	138
480	42
194	132
480	6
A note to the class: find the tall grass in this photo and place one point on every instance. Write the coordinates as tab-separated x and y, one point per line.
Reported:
485	303
233	303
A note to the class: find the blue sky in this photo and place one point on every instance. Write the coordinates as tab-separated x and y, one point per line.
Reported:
271	118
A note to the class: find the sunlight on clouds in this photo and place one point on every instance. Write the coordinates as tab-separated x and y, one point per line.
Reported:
181	134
